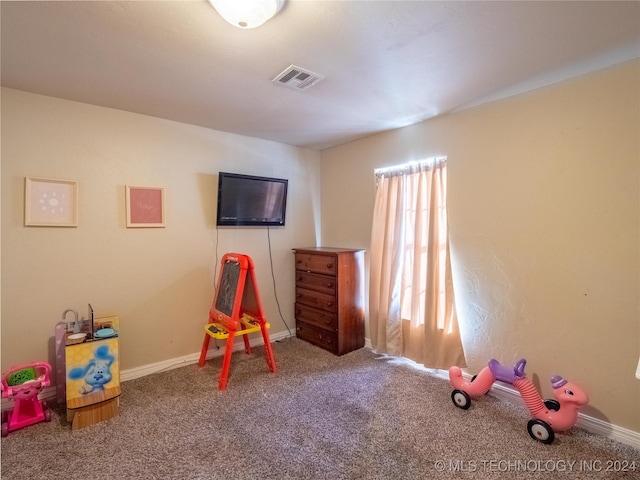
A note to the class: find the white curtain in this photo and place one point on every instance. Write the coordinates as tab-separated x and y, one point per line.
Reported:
411	301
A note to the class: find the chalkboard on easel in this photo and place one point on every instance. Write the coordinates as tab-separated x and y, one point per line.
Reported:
236	310
226	294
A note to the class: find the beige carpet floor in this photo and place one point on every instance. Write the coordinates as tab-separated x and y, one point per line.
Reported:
359	416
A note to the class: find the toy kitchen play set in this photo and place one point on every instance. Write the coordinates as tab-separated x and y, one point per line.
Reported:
88	367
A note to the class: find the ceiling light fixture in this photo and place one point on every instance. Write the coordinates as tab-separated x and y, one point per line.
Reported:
247	13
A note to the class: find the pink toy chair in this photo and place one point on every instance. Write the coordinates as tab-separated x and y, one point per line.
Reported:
22	385
549	415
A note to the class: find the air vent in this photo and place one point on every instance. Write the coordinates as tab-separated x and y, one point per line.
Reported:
297	78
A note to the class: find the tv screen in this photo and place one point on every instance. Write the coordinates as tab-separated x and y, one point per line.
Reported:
251	200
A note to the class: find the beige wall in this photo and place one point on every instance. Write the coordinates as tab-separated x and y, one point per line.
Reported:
544	202
544	211
160	281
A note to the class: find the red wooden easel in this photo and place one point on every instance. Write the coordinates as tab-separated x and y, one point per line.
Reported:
236	310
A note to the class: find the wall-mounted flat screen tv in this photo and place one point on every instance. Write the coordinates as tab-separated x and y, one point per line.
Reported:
251	200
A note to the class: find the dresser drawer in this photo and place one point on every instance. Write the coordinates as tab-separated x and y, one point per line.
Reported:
326	264
313	281
317	336
316	299
318	318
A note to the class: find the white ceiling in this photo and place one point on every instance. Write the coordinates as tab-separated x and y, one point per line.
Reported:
387	63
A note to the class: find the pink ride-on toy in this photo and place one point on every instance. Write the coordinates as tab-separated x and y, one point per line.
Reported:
22	385
548	416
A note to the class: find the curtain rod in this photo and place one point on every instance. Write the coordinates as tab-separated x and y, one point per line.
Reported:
419	163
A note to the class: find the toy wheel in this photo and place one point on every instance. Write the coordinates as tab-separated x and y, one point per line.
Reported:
552	404
461	399
540	431
47	415
5	429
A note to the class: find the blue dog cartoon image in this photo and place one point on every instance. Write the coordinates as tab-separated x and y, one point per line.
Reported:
96	373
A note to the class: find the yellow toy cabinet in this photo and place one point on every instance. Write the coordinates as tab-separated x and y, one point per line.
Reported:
93	374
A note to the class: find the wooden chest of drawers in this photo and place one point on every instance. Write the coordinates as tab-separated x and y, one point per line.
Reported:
329	306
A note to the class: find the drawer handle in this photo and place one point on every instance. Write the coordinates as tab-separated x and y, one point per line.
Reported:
329	265
330	285
329	304
298	295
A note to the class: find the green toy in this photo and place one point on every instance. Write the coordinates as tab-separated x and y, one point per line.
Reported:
21	376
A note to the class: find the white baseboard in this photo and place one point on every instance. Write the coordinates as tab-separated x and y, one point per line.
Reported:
49	393
591	424
137	372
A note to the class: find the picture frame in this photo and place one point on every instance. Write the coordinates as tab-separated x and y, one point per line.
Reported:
50	202
145	207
